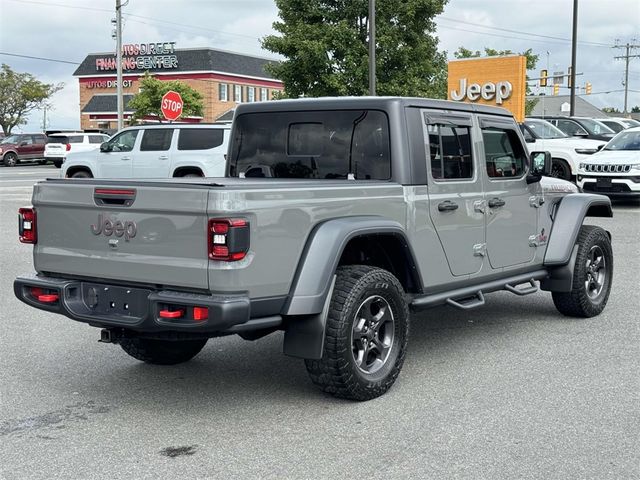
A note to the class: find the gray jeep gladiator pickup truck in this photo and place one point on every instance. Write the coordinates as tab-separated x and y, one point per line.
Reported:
336	218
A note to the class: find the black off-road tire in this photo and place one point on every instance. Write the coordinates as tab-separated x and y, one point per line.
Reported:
82	174
162	352
10	159
586	299
338	372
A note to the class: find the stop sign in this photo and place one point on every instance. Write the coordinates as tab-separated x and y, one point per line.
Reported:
171	105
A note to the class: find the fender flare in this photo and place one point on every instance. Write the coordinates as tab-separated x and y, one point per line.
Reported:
569	216
321	255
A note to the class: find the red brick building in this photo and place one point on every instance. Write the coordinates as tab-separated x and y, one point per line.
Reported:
223	78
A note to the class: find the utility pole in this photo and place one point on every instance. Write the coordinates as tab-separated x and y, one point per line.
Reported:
574	40
44	118
628	47
372	47
119	62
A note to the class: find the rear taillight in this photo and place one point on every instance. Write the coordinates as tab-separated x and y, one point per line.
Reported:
27	227
68	146
228	239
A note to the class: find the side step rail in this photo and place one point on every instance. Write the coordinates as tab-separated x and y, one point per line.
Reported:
467	303
533	288
457	297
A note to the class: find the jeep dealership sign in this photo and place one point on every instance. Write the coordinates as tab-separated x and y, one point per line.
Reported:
497	81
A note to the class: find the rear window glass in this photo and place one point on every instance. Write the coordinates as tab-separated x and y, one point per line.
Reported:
312	144
57	139
200	138
156	140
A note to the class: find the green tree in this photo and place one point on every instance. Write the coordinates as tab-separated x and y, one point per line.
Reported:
325	45
20	94
610	110
636	109
532	61
147	102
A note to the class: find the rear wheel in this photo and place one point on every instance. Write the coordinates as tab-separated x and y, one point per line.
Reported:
10	159
162	352
366	335
82	174
560	169
592	275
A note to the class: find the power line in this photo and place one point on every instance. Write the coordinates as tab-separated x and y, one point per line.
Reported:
39	58
521	32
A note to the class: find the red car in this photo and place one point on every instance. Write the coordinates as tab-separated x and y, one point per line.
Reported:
22	146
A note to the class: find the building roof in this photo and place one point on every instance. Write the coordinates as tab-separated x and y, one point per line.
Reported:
190	60
552	105
106	104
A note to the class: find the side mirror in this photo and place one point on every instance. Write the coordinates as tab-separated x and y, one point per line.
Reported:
105	147
22	144
540	166
600	147
529	139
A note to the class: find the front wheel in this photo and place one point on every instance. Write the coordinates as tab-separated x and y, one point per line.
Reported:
366	335
162	352
10	160
560	169
592	275
82	174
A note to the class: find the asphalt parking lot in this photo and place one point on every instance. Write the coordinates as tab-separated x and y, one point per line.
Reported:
510	391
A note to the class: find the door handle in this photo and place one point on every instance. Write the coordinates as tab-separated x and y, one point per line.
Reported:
496	202
163	157
447	206
125	158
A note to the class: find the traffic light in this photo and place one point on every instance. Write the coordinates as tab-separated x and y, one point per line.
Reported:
556	89
587	88
544	74
569	77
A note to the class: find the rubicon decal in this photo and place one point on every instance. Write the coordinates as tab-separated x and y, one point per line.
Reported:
106	226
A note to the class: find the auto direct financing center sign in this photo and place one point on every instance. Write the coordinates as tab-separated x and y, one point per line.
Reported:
142	56
497	81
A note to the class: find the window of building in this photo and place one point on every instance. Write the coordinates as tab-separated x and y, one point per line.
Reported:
450	152
264	94
223	92
200	138
237	93
251	94
156	139
503	152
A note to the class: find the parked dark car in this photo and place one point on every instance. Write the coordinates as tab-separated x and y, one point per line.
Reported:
22	146
581	127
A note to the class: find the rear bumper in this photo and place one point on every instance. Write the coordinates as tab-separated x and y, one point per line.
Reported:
137	309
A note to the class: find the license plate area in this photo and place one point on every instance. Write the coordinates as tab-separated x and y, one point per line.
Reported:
127	305
603	182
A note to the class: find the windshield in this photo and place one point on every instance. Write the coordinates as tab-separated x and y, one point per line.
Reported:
595	127
333	144
542	129
630	122
11	139
625	141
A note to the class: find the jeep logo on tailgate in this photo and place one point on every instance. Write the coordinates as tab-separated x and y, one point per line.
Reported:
108	227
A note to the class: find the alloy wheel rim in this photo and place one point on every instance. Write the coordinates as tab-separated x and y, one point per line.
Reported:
372	334
595	266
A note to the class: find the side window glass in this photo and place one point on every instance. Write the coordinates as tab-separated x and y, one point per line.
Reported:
504	153
97	139
39	140
124	142
571	128
27	139
450	152
200	138
156	140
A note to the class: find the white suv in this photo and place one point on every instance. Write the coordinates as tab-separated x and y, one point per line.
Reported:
59	145
566	152
152	151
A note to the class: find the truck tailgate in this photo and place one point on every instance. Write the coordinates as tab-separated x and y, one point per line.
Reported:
130	232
